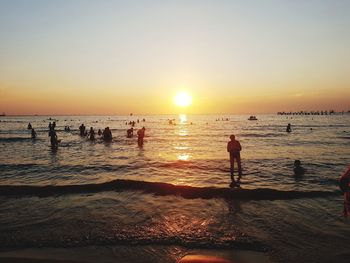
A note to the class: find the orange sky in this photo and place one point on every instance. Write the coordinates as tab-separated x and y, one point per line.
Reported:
116	58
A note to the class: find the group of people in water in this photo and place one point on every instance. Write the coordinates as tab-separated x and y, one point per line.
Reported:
106	134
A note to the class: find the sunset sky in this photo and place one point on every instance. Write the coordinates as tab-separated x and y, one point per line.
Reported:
117	57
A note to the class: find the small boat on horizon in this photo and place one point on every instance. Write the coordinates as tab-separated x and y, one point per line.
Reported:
252	118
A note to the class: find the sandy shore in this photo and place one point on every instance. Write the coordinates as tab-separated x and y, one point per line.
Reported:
121	254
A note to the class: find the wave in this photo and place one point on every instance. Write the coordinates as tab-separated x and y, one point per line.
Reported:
162	189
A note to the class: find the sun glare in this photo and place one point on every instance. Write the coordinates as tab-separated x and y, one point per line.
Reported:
183	99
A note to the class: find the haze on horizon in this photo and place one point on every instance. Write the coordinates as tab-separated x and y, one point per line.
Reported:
117	57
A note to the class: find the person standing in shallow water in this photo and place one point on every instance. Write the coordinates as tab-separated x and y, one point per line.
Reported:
140	136
53	139
107	134
234	148
92	134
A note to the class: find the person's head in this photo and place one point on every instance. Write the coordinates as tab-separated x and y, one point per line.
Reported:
91	129
232	137
297	163
143	128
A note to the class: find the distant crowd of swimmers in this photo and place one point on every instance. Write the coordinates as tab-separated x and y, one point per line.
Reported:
106	134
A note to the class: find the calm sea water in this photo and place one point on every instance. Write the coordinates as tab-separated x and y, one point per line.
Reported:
193	153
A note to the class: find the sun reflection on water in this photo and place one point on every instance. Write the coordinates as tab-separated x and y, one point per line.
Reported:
183	118
183	156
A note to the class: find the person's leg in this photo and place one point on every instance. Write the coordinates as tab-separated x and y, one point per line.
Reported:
232	166
238	158
347	204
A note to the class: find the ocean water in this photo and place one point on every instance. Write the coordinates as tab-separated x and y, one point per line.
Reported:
191	153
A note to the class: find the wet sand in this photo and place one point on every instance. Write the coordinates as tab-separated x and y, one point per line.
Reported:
121	254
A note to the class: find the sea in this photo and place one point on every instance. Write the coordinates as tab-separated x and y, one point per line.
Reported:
172	195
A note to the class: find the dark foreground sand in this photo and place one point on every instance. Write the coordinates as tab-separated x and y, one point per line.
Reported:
121	254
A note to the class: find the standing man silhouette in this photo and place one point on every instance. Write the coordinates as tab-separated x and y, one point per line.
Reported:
234	148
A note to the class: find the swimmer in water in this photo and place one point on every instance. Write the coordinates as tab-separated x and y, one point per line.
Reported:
298	169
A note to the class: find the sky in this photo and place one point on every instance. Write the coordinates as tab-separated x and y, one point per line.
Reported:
117	57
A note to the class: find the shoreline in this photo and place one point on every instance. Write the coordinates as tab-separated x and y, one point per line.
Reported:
121	254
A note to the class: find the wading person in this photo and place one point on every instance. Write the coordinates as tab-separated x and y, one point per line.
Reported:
140	136
234	148
53	139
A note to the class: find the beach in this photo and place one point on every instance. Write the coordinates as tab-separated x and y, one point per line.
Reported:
93	201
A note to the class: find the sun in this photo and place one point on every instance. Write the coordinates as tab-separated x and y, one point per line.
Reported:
182	99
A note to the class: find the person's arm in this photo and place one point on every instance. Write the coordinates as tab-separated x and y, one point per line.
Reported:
240	147
228	147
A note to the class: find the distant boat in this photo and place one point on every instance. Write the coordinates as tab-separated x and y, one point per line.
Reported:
252	118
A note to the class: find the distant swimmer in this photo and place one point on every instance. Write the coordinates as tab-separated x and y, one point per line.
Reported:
33	134
130	132
53	139
235	148
140	136
298	169
29	126
107	134
289	128
54	125
50	126
344	184
99	132
82	130
92	134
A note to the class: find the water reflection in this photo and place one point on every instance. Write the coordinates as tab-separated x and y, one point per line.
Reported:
183	147
183	156
182	118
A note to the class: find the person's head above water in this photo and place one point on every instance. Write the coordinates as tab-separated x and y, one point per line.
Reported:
297	163
232	137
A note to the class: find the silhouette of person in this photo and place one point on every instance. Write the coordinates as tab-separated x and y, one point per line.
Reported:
82	130
129	132
33	134
289	128
50	126
234	148
92	134
99	132
344	184
29	126
140	136
107	134
53	138
54	125
298	169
